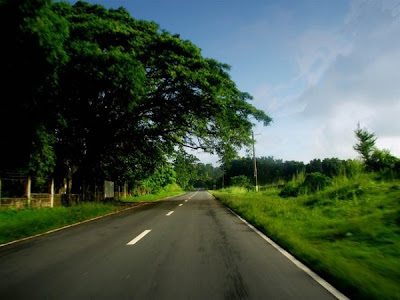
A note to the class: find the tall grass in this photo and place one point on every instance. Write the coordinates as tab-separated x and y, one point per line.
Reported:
348	233
235	190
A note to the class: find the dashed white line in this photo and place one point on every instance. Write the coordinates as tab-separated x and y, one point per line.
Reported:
170	213
138	238
193	195
180	204
186	200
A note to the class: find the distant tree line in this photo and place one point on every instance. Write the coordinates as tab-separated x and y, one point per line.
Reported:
277	171
293	177
296	177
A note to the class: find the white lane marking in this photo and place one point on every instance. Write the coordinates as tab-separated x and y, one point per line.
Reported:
72	225
193	195
170	213
300	265
180	204
138	238
186	200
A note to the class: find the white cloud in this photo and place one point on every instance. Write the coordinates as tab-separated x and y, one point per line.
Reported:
317	49
205	158
345	75
279	101
362	86
348	78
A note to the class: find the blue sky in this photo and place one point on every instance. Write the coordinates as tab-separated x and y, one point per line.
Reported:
317	67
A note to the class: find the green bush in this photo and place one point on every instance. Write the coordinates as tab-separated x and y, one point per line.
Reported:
310	183
382	160
353	168
241	181
289	190
315	182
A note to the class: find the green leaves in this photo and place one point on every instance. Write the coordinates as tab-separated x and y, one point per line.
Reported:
185	168
374	158
42	160
31	57
112	96
366	144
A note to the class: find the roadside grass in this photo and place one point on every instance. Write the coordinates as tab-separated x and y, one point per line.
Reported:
349	233
169	191
20	223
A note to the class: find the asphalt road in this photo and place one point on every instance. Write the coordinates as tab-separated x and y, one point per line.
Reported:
199	251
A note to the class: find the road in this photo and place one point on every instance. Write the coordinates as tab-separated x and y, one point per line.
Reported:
187	247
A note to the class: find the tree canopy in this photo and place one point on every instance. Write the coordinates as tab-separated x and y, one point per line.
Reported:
31	57
103	94
374	158
366	142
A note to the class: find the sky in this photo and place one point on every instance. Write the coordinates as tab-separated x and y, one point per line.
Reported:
317	67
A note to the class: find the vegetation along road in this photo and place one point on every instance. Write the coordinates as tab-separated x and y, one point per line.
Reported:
187	247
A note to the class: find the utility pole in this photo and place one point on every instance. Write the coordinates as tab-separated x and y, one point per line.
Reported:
255	161
223	175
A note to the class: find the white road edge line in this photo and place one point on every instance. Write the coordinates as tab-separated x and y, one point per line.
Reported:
69	226
170	213
138	238
300	265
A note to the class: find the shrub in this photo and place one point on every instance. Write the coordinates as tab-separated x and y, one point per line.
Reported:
241	181
381	160
315	182
289	190
312	183
353	167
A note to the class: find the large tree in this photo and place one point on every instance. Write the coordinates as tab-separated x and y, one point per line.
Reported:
31	55
132	93
104	95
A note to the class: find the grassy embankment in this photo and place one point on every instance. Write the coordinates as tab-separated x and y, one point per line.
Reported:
20	223
348	233
169	191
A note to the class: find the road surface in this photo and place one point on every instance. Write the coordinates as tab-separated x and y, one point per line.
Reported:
187	247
